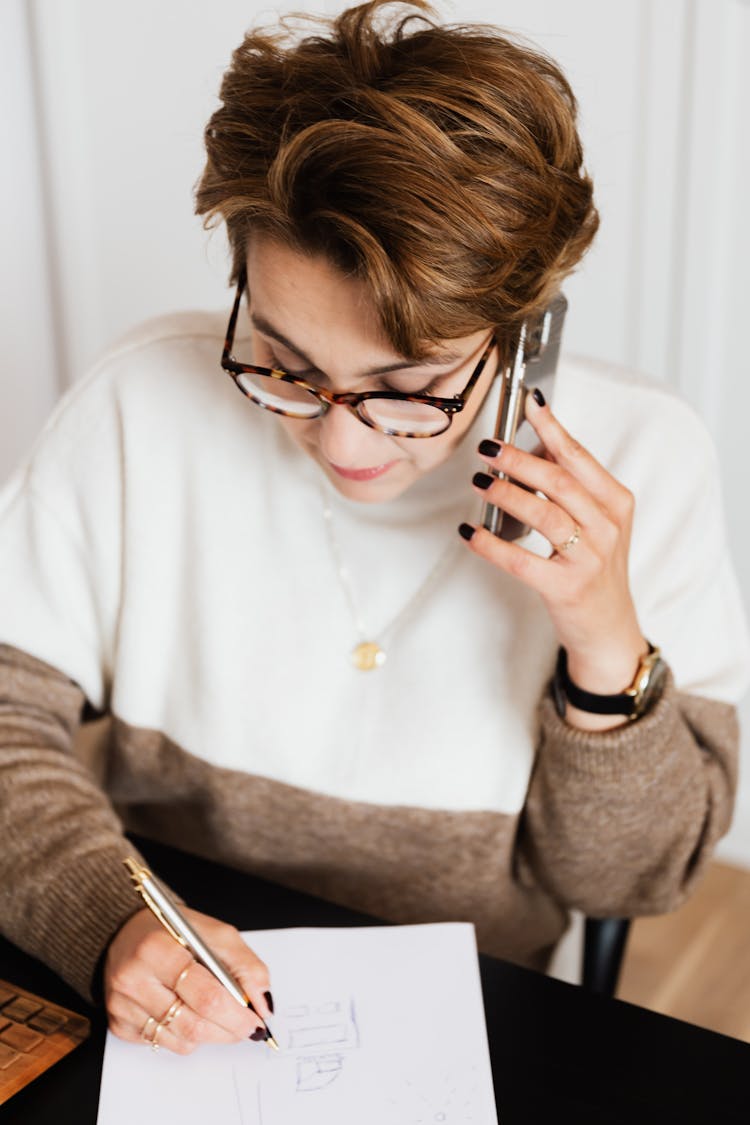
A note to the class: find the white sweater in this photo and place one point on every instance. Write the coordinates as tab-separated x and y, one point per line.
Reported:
164	548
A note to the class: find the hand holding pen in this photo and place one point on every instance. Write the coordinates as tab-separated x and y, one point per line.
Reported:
161	992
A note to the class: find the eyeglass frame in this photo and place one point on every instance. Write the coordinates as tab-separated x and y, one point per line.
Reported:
450	406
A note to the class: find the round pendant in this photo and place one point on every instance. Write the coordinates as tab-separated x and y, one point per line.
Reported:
368	655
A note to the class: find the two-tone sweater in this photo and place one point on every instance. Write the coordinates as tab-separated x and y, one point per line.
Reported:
164	558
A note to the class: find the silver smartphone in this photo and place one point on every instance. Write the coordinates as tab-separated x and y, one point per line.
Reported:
534	363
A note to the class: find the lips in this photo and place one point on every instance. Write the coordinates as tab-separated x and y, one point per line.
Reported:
362	474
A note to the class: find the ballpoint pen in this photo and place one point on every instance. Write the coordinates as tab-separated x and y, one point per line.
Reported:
166	912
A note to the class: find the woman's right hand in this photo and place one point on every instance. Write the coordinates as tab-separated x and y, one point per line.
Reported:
150	978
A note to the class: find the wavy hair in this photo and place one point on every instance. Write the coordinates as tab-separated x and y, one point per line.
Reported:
440	164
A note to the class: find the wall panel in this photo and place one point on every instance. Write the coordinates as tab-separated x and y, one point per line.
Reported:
29	373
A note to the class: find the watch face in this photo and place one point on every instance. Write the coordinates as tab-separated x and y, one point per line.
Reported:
654	687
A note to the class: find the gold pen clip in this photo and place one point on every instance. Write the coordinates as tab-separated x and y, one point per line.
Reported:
139	873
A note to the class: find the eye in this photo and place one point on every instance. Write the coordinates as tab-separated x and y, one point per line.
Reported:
274	360
284	362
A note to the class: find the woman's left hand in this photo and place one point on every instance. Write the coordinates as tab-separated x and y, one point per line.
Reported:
584	584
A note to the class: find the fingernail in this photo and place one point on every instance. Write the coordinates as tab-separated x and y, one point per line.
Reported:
489	448
538	397
260	1035
269	1001
482	480
466	531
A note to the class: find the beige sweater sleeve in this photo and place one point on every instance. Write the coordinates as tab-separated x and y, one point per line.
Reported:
622	822
63	889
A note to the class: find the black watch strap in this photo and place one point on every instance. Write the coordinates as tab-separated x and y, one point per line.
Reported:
620	704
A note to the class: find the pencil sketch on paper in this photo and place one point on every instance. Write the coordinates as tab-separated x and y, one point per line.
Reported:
315	1039
332	1023
434	1100
322	1031
238	1096
316	1071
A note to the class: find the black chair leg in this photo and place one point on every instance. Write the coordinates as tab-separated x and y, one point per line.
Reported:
603	950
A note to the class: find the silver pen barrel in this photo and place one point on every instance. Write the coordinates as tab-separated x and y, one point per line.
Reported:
159	902
191	939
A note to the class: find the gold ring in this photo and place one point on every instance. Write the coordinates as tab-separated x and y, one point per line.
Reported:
144	1030
182	976
569	542
154	1037
172	1013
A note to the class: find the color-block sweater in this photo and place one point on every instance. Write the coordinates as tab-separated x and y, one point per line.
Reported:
164	558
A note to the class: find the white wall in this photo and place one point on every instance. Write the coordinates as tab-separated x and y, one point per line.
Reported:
98	231
29	376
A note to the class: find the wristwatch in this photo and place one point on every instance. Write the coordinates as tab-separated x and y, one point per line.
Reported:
633	702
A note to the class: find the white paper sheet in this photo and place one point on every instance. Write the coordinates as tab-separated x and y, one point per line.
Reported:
377	1026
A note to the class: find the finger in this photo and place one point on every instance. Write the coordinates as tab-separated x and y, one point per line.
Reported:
556	482
148	975
131	1022
213	1003
177	1022
252	974
546	576
165	1039
543	515
155	955
149	980
243	964
569	453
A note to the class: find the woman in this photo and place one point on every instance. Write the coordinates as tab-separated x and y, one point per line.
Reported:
311	674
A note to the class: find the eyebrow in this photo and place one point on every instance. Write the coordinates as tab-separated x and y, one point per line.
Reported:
268	329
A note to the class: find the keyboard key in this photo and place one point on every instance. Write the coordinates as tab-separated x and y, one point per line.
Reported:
21	1009
7	1056
20	1037
6	995
46	1021
77	1026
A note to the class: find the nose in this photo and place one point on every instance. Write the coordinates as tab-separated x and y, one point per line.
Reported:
346	441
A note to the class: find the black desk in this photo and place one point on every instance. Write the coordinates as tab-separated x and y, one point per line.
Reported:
559	1054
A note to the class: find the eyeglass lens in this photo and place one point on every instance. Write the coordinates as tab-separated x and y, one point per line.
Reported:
384	414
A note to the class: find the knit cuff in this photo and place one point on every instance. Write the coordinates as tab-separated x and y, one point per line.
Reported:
615	753
89	903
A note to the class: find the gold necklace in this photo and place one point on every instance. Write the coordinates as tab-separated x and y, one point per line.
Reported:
370	654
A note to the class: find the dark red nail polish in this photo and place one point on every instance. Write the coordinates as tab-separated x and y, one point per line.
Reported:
269	1001
259	1035
466	531
538	397
489	448
482	480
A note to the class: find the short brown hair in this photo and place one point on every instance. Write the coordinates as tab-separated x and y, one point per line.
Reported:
441	165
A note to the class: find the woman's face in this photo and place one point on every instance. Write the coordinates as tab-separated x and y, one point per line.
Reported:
311	320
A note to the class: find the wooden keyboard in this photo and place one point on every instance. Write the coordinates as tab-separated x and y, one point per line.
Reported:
33	1035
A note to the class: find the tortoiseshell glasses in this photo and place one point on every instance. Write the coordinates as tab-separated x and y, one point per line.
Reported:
391	412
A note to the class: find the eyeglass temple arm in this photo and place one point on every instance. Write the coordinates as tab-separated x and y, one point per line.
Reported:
477	370
231	327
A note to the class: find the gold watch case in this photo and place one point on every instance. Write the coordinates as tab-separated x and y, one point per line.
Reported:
648	681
